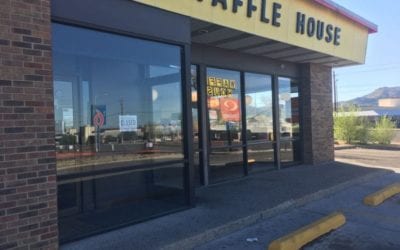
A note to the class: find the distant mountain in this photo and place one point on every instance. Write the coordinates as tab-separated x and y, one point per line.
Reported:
372	98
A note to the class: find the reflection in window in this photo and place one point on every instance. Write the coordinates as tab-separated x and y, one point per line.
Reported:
223	97
259	115
63	106
259	119
289	108
261	156
225	124
118	115
289	120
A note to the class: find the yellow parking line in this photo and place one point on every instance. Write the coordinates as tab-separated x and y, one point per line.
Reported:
381	195
306	234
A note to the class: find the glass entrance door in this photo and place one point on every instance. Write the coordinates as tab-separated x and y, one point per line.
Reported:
225	124
243	122
259	121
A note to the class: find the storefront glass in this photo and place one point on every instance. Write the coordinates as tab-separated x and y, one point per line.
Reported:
118	116
289	120
225	124
259	120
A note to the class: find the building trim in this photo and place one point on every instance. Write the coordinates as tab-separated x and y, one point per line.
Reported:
372	28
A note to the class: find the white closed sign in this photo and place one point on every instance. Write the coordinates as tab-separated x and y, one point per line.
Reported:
127	123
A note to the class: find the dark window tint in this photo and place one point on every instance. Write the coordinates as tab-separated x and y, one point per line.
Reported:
118	116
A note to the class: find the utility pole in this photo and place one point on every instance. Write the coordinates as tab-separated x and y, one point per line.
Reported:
121	103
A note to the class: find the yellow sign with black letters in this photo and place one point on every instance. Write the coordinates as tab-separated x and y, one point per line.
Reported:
300	23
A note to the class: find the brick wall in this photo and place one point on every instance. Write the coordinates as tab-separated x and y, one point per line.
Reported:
28	201
317	117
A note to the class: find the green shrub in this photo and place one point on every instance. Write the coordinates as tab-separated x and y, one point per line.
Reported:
384	132
363	132
350	128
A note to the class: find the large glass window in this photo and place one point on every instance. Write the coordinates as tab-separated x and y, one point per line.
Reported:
225	123
259	120
118	116
289	120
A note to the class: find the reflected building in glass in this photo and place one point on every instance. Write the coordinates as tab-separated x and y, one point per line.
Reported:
118	114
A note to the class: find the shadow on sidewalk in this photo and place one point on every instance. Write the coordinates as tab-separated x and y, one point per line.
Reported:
227	207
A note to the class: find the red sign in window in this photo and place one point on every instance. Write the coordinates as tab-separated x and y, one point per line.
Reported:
230	109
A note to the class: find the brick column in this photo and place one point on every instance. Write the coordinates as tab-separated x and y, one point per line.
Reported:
317	119
28	188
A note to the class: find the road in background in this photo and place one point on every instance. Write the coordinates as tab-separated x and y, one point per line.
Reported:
377	158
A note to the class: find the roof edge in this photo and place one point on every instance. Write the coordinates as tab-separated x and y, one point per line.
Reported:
372	28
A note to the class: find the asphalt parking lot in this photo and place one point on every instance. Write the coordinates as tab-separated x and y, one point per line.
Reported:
366	227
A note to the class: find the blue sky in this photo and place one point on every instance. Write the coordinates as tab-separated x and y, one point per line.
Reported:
382	67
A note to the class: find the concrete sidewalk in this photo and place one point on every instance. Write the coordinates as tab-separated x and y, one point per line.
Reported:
225	208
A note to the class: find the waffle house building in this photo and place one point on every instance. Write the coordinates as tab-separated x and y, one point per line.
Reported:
114	112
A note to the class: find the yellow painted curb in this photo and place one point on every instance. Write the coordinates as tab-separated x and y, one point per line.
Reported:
306	234
381	195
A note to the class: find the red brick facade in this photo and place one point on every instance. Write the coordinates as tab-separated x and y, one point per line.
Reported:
28	191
